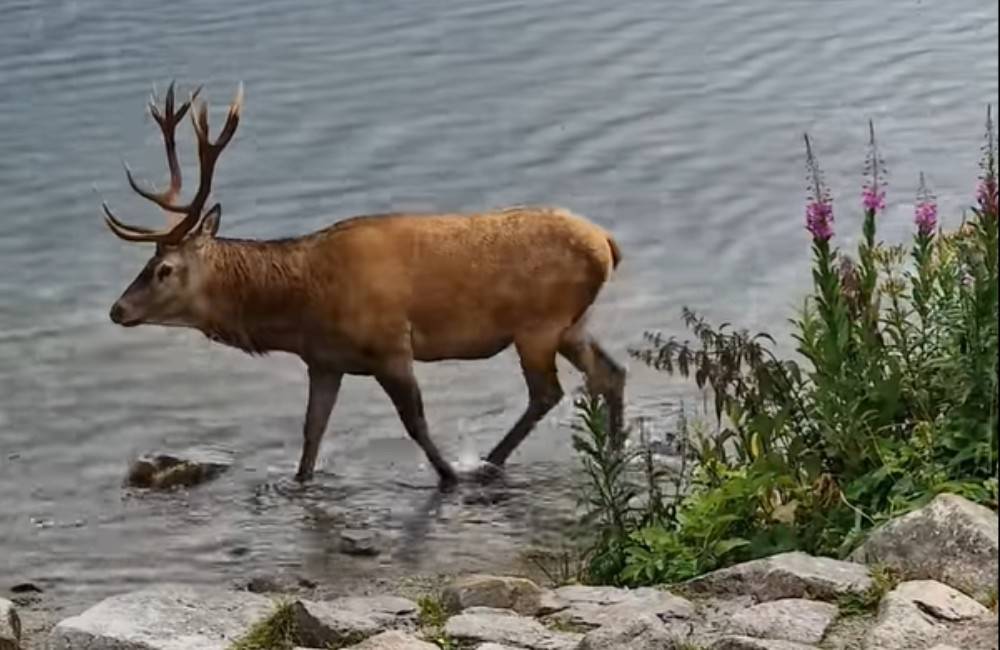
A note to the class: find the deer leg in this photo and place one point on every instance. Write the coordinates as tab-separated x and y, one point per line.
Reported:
402	388
323	388
538	363
604	376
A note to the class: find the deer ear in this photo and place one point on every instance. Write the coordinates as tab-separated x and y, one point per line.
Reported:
210	222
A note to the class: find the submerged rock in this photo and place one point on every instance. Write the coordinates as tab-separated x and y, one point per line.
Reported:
499	592
166	471
786	575
168	617
10	626
951	540
916	614
362	543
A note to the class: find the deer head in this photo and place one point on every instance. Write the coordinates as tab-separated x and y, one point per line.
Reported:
166	291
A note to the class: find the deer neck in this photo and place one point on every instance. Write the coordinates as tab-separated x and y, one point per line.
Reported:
254	295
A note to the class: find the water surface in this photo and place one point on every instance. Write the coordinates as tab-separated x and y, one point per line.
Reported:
677	125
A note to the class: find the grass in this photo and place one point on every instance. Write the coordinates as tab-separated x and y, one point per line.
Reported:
884	580
432	617
276	632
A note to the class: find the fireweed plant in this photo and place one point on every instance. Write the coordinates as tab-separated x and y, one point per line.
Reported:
891	399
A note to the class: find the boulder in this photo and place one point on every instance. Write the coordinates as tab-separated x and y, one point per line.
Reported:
10	626
916	614
393	640
518	594
752	643
786	575
592	607
506	627
950	540
166	617
345	621
166	471
361	543
639	632
788	619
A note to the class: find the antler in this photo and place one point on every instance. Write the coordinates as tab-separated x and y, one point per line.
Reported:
208	155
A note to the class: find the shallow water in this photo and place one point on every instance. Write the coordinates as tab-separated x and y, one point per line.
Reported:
677	125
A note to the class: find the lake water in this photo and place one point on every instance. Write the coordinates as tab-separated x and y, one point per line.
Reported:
677	125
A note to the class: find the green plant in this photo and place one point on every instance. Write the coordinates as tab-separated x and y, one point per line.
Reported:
276	632
432	616
884	580
892	398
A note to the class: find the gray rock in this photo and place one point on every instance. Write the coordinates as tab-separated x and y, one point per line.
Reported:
951	540
640	632
351	620
788	619
976	634
786	575
518	594
10	626
359	543
486	625
495	646
393	640
167	617
391	611
752	643
916	614
592	607
165	471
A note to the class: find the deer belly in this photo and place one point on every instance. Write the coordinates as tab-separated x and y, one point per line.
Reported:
456	340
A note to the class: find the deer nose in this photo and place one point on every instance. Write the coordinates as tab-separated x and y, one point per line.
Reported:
117	314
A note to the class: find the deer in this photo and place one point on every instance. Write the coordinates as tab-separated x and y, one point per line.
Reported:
372	295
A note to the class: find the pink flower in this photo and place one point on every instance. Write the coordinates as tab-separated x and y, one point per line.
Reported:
925	212
872	199
819	209
819	220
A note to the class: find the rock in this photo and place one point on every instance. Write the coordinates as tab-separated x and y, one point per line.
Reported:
639	632
393	640
951	540
592	607
915	614
350	620
786	575
518	594
166	471
391	611
359	543
788	619
495	646
486	625
167	617
10	626
751	643
977	634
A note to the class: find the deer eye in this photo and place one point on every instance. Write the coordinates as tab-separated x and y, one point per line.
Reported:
163	272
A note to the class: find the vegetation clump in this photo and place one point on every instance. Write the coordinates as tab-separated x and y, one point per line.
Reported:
890	400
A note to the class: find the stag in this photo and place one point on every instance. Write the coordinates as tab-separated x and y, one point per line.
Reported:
370	295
